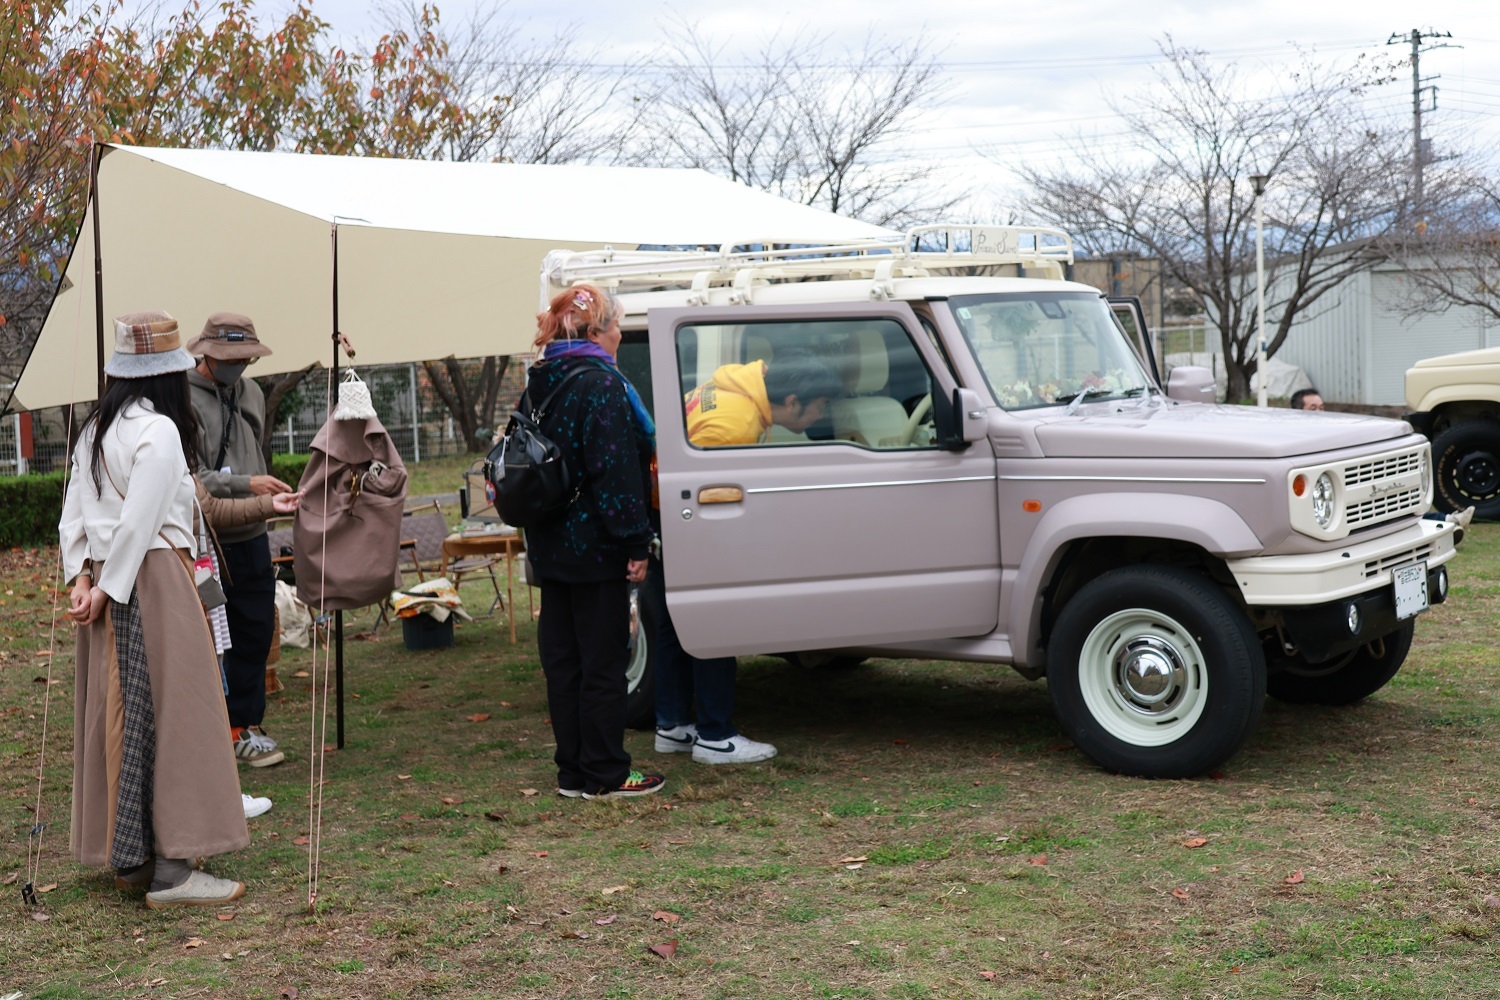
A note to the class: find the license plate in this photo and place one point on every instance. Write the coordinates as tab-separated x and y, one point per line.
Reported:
1411	590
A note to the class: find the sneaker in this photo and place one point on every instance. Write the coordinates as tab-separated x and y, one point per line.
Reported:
251	749
636	783
735	750
678	739
200	889
571	793
255	806
265	740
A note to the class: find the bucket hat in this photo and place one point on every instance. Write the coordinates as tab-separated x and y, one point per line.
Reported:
228	336
147	343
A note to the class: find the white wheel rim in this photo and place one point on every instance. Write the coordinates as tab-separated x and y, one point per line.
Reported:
639	647
1143	677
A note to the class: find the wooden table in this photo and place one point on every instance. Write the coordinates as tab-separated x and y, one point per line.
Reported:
490	543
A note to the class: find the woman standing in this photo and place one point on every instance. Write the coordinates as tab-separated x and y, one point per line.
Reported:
154	782
586	558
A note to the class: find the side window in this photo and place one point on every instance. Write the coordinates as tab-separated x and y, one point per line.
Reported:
859	381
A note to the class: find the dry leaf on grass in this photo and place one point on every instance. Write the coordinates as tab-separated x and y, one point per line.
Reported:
193	943
300	841
154	983
529	792
538	854
290	993
987	975
302	673
665	916
1195	842
40	917
403	777
1038	860
854	867
666	949
576	935
46	888
478	717
610	891
224	916
12	878
496	816
1294	877
1492	901
849	860
449	800
605	921
1180	893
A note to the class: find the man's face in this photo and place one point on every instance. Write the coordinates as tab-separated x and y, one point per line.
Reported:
1312	401
798	416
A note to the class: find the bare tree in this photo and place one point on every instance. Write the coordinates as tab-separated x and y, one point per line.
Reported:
1184	195
1452	256
796	119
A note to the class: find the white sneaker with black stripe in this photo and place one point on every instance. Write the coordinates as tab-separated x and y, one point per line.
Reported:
734	750
678	739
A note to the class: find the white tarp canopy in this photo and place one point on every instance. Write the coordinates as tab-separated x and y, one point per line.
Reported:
434	258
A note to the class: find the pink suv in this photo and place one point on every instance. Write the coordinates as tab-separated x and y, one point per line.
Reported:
1004	480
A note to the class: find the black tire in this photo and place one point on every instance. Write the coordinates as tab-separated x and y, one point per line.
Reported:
1466	460
1202	700
818	660
1345	679
640	672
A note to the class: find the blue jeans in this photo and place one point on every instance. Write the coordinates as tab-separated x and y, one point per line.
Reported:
688	687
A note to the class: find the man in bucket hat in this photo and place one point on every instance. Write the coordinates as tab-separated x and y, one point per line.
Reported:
231	412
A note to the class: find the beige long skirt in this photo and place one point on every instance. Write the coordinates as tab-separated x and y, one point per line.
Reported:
195	805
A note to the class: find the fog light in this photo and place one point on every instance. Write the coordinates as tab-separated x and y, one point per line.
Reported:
1351	618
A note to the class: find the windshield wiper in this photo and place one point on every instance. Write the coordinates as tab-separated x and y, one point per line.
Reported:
1076	400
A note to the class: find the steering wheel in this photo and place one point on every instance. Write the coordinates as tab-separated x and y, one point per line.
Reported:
918	413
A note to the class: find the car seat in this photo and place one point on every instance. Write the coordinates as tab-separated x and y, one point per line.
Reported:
865	417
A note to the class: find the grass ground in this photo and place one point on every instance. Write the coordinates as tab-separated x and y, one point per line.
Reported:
1348	852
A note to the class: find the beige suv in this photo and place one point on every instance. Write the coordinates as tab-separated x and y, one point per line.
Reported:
1456	399
1003	480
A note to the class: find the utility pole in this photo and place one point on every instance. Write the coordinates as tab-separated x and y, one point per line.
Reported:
1419	156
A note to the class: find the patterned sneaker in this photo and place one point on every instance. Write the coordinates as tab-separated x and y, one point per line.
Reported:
636	783
265	740
255	806
251	749
678	739
735	750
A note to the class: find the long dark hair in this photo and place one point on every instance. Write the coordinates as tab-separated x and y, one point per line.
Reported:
170	396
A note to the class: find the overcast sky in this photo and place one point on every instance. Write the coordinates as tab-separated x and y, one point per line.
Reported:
1029	79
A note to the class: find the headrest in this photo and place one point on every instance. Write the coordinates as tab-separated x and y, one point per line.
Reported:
868	367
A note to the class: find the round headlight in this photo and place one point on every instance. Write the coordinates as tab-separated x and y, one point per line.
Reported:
1322	500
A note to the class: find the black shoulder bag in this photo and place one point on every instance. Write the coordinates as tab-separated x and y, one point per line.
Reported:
526	469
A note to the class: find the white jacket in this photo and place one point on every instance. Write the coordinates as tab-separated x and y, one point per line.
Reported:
143	456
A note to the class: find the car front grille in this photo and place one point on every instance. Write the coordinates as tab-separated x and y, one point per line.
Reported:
1383	488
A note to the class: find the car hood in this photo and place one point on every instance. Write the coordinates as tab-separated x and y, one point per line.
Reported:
1201	430
1483	356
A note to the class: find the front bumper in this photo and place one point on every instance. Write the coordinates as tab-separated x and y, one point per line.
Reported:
1323	631
1343	572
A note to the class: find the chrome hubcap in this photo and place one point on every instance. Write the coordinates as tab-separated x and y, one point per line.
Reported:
1149	674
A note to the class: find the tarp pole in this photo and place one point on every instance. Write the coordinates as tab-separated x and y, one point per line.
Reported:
98	269
338	616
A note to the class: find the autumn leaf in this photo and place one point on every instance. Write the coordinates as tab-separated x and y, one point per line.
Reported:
1492	901
498	817
605	921
1180	893
614	889
576	935
987	975
403	777
290	993
666	949
538	854
1195	842
225	916
449	800
300	841
46	888
1294	877
194	942
40	917
849	860
529	792
665	916
1038	860
478	717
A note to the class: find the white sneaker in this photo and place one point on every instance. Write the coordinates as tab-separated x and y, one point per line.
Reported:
255	806
735	750
678	739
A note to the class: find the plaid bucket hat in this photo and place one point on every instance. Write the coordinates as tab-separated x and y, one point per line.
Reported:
147	343
228	336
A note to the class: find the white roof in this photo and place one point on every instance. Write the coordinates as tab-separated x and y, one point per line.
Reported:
435	258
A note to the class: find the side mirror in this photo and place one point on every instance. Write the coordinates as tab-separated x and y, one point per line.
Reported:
960	420
1191	384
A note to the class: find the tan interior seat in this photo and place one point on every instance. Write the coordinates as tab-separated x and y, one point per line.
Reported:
865	417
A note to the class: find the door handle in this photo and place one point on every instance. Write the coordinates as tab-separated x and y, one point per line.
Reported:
721	494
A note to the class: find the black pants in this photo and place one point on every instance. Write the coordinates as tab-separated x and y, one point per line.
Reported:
583	638
250	586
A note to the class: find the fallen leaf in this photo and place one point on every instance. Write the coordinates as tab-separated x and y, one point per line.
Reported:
1472	802
227	956
666	949
330	748
478	717
156	982
46	888
302	673
987	975
403	777
1038	860
853	868
498	817
1234	969
1180	893
1294	877
225	916
605	921
1195	842
1046	954
12	878
448	800
529	792
42	654
538	854
193	943
847	860
40	917
1492	901
665	916
576	935
300	841
290	993
506	704
614	889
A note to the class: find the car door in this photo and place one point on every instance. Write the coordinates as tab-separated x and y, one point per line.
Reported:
1132	319
855	531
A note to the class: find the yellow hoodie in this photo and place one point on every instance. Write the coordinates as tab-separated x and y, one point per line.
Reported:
730	408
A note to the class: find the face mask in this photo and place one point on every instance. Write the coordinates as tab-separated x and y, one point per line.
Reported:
227	372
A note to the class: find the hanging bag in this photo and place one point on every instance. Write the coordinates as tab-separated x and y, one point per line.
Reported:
526	471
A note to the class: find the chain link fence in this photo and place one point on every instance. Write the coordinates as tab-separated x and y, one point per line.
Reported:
420	424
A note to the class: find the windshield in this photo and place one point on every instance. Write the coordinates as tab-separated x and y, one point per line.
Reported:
1048	348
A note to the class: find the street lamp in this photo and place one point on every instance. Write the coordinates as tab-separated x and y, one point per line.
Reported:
1259	180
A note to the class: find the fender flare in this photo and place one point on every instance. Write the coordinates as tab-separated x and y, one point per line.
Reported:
1458	392
1211	525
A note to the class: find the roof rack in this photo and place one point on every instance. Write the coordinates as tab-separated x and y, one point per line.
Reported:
913	254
